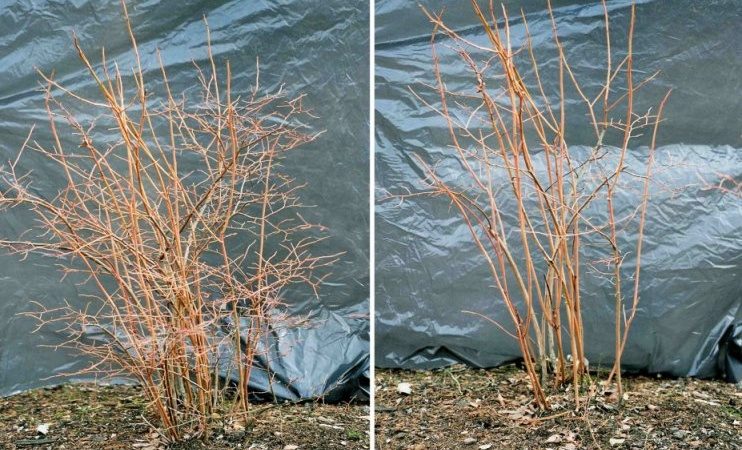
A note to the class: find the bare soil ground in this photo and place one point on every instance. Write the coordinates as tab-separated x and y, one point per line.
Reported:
461	408
91	417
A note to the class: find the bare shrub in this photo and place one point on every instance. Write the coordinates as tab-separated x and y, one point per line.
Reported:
157	196
508	137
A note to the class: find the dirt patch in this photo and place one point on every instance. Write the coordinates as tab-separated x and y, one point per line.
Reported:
91	417
461	408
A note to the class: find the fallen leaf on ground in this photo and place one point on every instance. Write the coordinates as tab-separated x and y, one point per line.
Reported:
404	388
706	402
500	399
144	446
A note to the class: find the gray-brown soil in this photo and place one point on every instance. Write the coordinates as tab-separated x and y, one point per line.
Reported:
460	408
91	417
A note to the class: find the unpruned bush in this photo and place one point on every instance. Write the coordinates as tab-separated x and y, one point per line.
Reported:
178	213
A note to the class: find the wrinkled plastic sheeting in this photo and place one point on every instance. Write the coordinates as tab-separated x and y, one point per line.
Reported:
322	52
428	269
274	375
341	373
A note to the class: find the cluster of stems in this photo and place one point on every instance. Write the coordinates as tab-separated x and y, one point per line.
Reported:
508	136
177	213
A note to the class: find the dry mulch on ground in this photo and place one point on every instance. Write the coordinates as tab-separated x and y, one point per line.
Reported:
91	417
461	408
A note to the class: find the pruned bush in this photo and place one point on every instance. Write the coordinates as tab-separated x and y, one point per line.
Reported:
529	198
